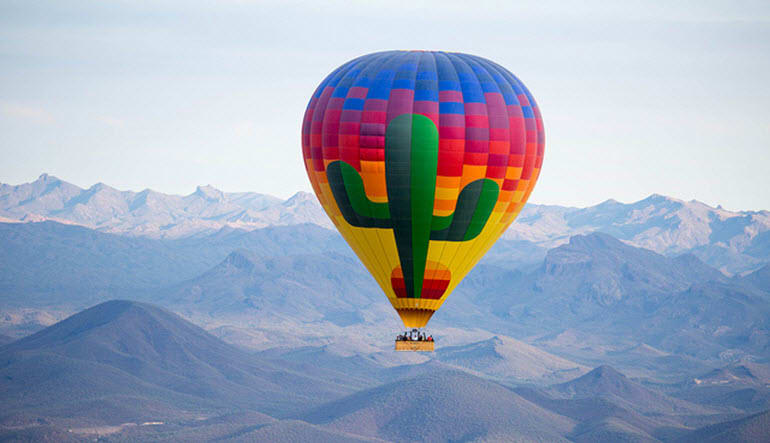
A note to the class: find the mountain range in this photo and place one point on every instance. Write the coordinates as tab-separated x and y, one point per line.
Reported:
271	329
732	241
129	371
153	214
284	278
612	296
52	262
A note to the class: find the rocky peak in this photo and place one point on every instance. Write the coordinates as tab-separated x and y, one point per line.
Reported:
100	187
210	193
606	372
46	178
299	198
240	259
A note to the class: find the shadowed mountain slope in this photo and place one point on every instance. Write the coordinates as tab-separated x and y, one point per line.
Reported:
755	428
744	386
599	285
123	361
237	428
607	383
5	339
596	272
305	287
760	279
742	373
443	406
601	269
610	407
602	420
51	263
291	431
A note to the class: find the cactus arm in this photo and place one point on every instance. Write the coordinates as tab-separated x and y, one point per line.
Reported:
354	185
474	206
440	223
487	200
356	208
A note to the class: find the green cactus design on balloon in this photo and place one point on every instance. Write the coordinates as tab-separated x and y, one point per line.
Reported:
411	161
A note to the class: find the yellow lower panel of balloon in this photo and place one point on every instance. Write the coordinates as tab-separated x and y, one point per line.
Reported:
416	303
376	247
418	346
415	318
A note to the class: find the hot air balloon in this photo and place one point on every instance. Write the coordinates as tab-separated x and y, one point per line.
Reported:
421	159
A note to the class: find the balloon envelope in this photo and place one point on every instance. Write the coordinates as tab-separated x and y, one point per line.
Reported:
421	159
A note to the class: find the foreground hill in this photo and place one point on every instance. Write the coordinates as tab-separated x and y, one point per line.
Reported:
442	406
125	361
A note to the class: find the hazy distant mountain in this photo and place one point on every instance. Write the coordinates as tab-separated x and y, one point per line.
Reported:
501	358
729	240
742	373
442	406
733	241
508	359
601	420
154	214
124	361
610	407
5	339
744	386
306	287
51	263
605	382
643	360
759	279
600	285
600	270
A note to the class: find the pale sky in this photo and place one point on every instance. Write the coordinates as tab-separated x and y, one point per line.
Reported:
637	97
